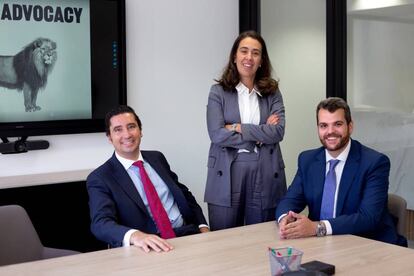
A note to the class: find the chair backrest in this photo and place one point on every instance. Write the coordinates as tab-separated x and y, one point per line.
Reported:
397	206
19	241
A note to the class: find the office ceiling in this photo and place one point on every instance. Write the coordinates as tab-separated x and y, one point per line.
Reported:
395	13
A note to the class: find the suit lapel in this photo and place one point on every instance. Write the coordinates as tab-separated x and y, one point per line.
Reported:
125	182
348	174
158	167
318	171
233	104
163	172
263	107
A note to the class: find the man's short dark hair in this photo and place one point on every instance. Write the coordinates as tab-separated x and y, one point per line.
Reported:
121	109
332	104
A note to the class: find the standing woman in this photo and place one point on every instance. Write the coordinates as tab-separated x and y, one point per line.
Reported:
246	122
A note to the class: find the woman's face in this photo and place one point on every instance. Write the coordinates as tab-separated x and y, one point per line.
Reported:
248	58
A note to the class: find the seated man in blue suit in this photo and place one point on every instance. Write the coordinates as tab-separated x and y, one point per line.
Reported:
125	208
350	198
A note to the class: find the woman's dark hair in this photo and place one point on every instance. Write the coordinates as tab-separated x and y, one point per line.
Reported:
263	79
121	109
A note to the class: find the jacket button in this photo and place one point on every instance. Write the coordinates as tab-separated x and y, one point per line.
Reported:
271	151
276	175
219	173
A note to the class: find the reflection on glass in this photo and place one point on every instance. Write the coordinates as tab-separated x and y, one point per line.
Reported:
381	83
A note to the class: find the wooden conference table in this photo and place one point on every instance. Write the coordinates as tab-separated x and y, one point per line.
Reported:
237	251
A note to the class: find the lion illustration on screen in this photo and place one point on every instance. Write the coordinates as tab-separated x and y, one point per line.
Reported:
28	70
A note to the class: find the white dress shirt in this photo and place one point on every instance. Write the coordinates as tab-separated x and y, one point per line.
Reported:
248	106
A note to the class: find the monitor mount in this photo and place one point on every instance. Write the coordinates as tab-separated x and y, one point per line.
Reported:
21	145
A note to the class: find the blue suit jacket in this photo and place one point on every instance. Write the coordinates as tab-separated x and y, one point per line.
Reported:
222	109
362	196
116	206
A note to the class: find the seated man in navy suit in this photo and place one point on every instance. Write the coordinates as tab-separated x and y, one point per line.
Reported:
349	198
134	197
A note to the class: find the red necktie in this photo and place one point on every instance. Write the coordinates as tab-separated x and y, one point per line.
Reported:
157	209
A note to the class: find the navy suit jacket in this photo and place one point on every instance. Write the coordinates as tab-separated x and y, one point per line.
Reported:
116	206
362	197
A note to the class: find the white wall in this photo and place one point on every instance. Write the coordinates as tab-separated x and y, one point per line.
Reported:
295	35
177	49
174	51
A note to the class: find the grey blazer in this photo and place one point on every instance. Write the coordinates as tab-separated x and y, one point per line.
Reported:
222	109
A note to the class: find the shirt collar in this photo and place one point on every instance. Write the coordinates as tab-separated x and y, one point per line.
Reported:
241	89
127	163
342	156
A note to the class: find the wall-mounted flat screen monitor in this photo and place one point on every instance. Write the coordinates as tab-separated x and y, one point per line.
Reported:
62	65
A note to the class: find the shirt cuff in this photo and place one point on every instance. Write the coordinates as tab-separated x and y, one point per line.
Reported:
280	218
203	225
328	227
126	242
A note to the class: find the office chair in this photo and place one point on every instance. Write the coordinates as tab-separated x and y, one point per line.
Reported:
397	206
19	241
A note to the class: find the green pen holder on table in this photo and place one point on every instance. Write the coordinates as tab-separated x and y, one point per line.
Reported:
284	259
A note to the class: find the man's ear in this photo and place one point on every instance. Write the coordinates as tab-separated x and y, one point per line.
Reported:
351	127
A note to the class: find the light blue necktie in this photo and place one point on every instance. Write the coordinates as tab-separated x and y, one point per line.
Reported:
328	198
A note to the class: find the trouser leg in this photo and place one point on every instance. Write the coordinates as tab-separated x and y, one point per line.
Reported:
243	178
254	211
221	217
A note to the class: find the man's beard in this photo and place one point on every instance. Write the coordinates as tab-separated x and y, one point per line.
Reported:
343	141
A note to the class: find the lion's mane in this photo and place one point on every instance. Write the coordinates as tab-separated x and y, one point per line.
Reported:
31	65
34	63
28	70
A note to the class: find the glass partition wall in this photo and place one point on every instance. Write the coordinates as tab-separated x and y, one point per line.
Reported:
380	81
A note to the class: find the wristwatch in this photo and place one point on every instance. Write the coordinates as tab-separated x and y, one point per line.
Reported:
320	229
233	127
